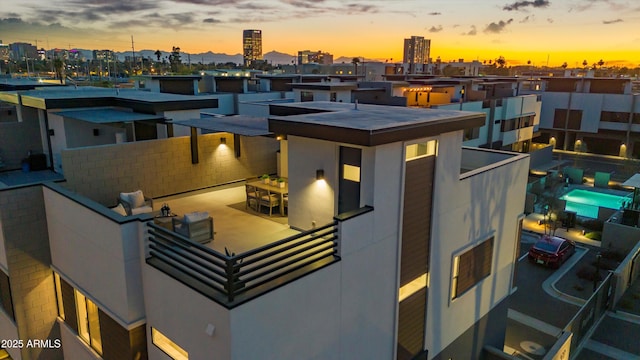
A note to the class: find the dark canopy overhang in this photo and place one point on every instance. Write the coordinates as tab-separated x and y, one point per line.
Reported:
238	124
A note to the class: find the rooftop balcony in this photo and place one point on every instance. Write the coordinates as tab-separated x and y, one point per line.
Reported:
475	161
251	253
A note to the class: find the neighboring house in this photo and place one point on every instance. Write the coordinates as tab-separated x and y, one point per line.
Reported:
595	115
393	226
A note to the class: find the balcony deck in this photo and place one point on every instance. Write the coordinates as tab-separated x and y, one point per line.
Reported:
234	228
251	253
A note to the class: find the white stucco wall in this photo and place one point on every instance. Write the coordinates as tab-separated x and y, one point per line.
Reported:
466	212
182	115
73	347
97	255
58	140
182	315
311	200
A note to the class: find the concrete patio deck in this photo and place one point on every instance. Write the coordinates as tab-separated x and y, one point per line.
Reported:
234	229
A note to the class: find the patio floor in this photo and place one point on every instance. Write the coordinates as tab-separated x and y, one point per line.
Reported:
235	228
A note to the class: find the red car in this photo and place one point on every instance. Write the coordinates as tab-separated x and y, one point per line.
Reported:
551	251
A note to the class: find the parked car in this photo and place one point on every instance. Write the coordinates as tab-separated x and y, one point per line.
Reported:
551	251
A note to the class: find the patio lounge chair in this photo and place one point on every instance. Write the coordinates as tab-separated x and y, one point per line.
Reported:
135	203
197	226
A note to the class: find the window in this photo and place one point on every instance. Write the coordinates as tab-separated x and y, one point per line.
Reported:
471	267
333	97
5	295
418	150
56	280
614	116
471	134
575	119
351	172
306	96
88	322
169	347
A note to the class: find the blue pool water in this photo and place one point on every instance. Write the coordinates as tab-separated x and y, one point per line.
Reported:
586	203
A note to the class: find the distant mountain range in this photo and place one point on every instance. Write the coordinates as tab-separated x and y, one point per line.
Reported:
273	57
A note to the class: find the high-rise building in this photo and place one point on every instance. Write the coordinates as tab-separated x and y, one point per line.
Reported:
251	46
416	53
318	57
21	51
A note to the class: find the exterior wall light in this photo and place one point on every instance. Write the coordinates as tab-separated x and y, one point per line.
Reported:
223	140
320	174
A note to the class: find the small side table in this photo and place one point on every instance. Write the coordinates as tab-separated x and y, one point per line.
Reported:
164	221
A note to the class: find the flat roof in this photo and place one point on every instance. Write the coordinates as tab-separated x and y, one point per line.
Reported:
633	181
326	86
142	101
106	115
237	124
367	125
26	84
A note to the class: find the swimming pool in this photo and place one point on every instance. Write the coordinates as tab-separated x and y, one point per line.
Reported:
586	203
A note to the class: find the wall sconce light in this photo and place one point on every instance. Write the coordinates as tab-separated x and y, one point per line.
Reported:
320	174
51	132
96	132
223	140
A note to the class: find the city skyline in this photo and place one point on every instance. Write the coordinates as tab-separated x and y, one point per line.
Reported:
539	31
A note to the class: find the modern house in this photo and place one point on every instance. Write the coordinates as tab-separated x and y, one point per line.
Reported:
397	241
595	115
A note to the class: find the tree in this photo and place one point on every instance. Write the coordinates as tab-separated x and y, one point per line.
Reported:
158	54
501	62
58	65
174	59
564	65
355	62
600	63
585	63
548	198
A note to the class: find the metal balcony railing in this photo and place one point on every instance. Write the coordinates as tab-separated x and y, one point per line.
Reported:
231	279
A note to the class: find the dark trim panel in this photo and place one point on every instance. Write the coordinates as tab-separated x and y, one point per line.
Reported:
374	137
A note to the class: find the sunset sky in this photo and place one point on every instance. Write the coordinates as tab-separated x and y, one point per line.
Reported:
538	30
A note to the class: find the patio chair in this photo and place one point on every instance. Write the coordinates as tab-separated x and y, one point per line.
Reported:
252	197
269	200
135	203
197	226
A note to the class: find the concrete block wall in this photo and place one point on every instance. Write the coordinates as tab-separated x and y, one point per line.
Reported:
26	242
163	167
16	139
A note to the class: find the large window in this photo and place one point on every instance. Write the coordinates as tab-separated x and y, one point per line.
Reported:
471	267
5	295
471	133
516	123
56	280
560	117
419	150
615	116
88	322
168	346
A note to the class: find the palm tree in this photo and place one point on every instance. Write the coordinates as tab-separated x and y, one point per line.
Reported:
355	62
600	63
585	63
564	65
158	54
58	65
501	61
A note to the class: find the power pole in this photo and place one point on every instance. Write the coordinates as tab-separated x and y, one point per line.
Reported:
133	53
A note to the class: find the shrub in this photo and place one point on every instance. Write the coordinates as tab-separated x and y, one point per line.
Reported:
589	273
594	235
613	255
593	224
